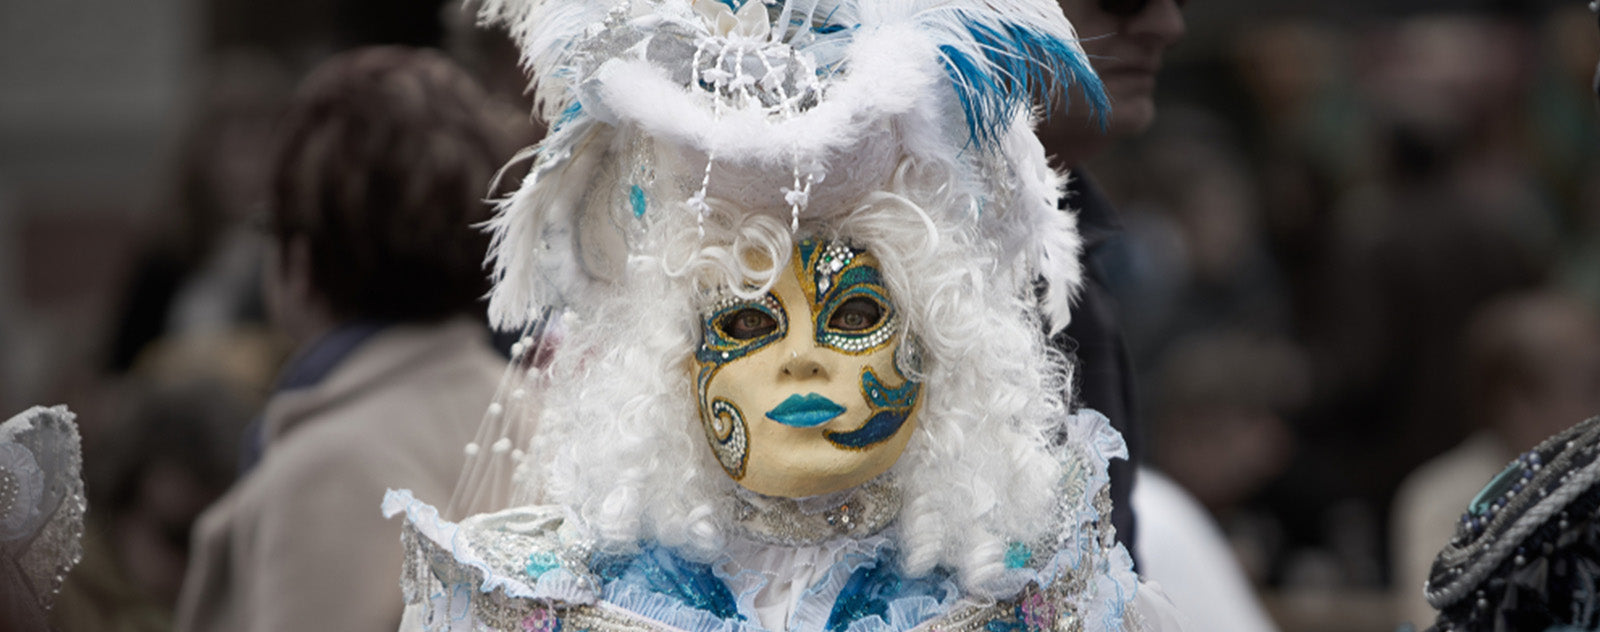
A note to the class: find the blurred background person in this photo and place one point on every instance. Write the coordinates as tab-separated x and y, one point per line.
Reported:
1128	276
1219	397
374	270
1125	42
1529	544
1532	369
198	269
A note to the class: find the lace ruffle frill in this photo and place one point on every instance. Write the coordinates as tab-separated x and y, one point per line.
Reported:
41	506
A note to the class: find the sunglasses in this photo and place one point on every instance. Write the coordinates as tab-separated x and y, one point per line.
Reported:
1129	8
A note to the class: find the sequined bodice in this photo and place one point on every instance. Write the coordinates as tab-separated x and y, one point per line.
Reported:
524	570
537	569
530	569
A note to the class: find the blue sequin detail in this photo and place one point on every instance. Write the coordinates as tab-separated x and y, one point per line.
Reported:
1018	555
872	588
1006	625
659	571
460	600
636	197
541	563
733	4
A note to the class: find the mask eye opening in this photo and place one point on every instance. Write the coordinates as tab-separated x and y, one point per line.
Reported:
858	314
746	323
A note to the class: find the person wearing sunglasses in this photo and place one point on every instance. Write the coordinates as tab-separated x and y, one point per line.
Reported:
1125	40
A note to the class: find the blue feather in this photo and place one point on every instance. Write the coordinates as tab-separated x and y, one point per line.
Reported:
828	27
1016	64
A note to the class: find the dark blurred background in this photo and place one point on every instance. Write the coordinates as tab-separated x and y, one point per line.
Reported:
1338	205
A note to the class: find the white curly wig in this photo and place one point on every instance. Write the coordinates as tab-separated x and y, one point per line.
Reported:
618	435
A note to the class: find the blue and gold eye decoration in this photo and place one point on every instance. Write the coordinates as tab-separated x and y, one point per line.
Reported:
853	315
848	298
733	328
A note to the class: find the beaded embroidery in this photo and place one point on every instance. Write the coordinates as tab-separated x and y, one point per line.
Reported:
41	505
1533	493
483	572
858	512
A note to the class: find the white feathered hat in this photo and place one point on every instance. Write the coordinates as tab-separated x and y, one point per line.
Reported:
793	108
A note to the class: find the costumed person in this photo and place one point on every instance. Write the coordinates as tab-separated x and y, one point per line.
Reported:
374	271
1526	554
788	272
41	513
1532	367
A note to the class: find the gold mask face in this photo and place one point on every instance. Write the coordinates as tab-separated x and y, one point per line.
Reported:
798	390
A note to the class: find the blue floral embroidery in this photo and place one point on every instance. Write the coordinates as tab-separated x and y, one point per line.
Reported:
872	588
659	571
1005	625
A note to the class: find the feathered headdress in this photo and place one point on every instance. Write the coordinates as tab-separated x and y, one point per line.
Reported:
793	108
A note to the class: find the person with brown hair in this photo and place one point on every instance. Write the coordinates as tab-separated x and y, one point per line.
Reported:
374	266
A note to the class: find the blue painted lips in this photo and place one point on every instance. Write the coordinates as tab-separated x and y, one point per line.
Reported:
805	411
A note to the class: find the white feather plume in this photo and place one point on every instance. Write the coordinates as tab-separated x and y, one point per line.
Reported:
946	82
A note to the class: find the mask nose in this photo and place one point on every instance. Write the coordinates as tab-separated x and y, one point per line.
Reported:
802	366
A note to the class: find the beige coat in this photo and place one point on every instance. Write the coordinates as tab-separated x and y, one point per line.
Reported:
299	544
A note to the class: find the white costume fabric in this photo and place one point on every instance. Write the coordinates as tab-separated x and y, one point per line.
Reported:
696	148
1184	551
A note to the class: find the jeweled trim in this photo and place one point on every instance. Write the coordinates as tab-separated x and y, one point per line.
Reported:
858	512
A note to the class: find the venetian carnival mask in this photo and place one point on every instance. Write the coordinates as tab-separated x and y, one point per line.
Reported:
798	389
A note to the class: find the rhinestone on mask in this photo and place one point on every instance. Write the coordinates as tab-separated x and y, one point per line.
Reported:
834	258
